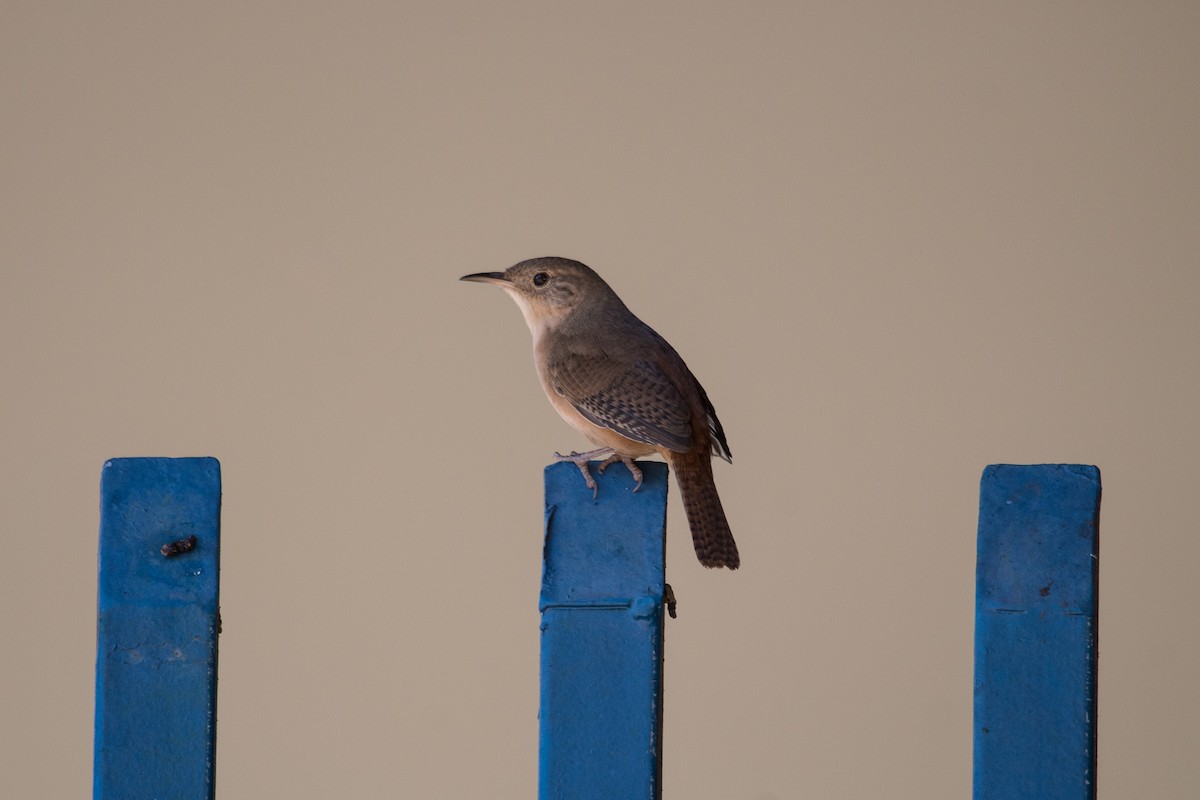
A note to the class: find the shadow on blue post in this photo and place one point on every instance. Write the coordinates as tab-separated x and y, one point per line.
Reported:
157	625
600	714
1035	632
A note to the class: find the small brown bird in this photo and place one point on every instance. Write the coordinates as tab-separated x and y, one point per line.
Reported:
616	381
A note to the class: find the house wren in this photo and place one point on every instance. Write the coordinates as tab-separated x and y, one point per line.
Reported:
616	381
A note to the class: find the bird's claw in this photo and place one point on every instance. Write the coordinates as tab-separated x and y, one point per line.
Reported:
581	460
629	463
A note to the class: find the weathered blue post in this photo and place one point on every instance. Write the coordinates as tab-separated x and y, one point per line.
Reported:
157	625
602	636
1035	632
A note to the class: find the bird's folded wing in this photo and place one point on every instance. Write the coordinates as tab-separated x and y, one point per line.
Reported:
636	400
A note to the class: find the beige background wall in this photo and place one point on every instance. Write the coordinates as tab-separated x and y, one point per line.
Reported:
896	241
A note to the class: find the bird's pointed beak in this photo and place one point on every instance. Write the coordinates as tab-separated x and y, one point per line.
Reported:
496	278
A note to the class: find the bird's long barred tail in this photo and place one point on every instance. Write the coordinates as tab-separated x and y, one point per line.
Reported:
710	530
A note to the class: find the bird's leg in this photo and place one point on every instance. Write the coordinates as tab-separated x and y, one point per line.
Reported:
629	463
581	460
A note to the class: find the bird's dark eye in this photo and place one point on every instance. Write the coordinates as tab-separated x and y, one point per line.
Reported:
540	279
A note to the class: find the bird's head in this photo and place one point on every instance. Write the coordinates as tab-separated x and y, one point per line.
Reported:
548	290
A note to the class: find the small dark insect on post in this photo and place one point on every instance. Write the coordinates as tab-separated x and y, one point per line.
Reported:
179	546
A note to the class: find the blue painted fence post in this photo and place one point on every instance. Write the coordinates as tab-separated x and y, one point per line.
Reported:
600	714
157	625
1035	632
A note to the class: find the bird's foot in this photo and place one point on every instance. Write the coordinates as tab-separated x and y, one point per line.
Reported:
581	460
629	463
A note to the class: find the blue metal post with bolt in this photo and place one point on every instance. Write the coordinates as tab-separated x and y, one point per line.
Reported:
1036	618
602	636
